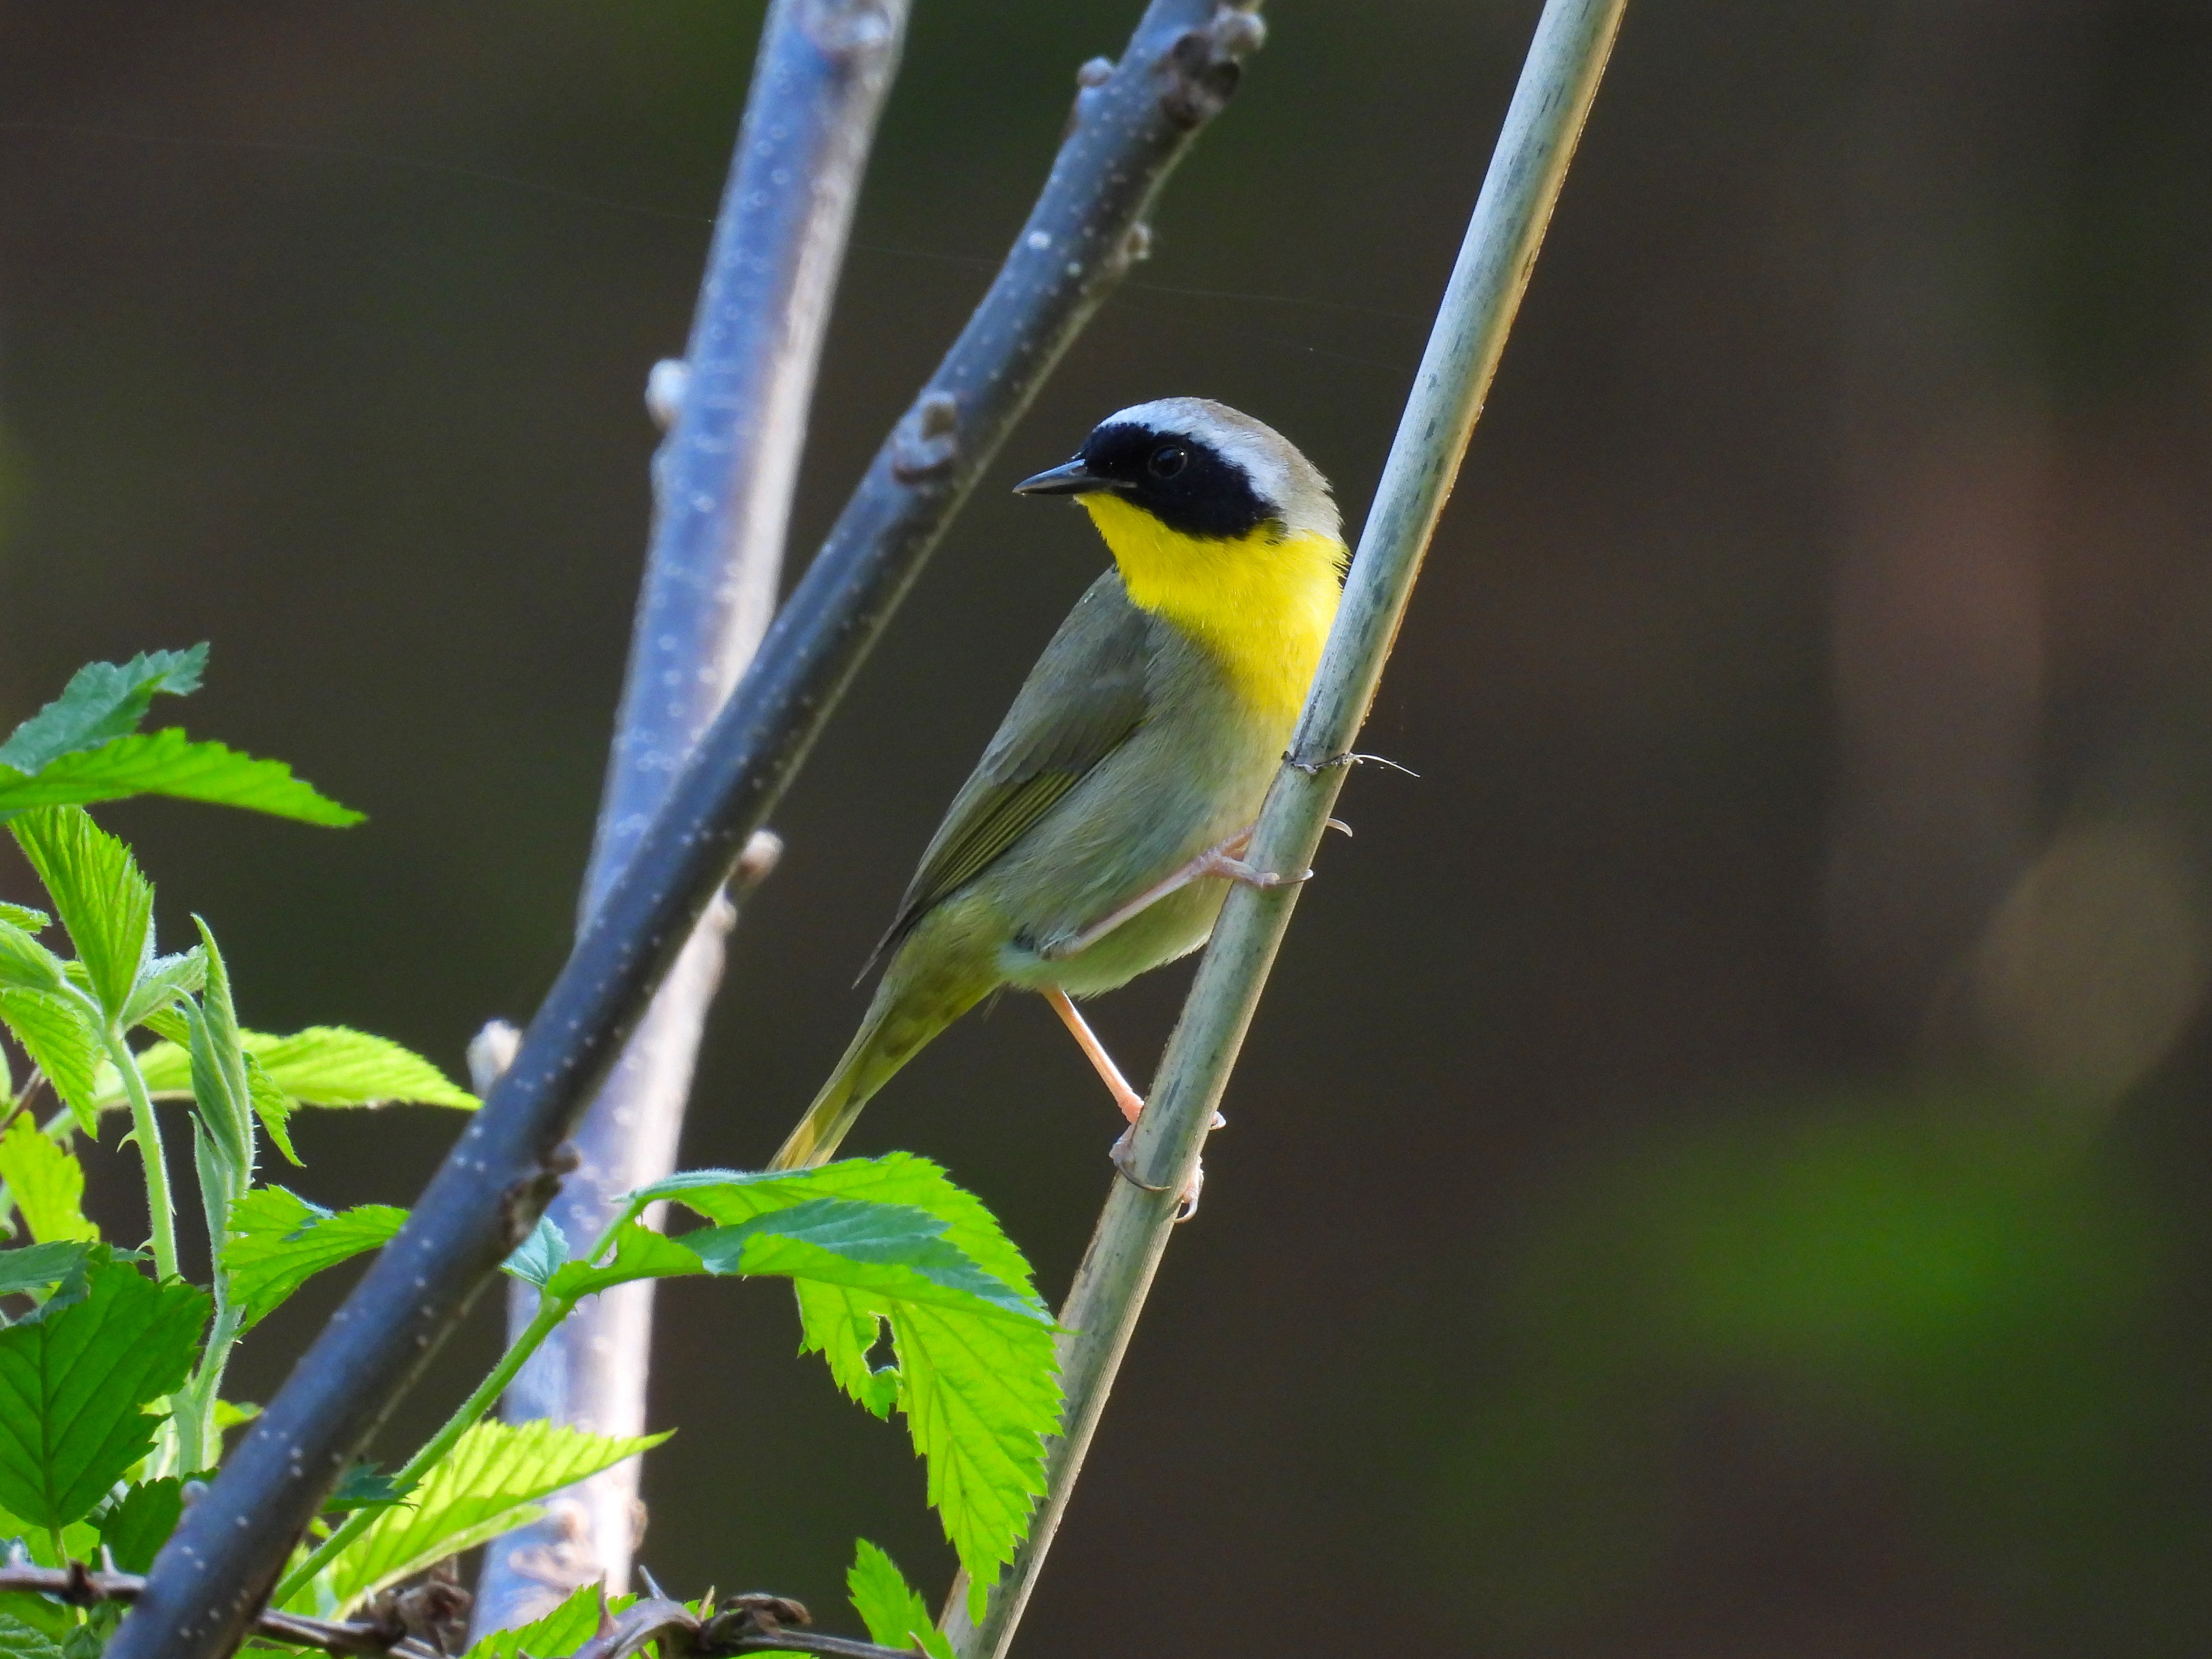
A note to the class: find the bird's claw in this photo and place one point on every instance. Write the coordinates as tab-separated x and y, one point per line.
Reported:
1119	1157
1238	870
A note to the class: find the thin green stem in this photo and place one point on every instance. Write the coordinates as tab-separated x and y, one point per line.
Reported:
551	1313
1557	85
148	1129
199	1445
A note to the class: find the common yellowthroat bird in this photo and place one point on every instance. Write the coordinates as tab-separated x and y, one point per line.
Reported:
1097	836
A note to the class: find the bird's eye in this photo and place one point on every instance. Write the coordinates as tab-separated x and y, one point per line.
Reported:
1167	460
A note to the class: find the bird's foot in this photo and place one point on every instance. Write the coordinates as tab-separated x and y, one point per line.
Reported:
1220	864
1121	1154
1315	769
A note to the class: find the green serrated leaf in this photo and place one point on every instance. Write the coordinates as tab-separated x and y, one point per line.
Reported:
75	1281
332	1066
55	1033
136	1525
23	916
50	1618
34	1266
730	1196
104	903
273	1107
73	1385
845	1327
46	1183
981	1396
894	1248
978	1379
639	1253
103	700
168	1024
535	1259
322	1065
26	964
164	980
363	1486
493	1475
278	1241
167	763
19	1640
564	1630
893	1611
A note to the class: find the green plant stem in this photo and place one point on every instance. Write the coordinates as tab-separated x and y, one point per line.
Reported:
1557	82
198	1444
147	1129
551	1313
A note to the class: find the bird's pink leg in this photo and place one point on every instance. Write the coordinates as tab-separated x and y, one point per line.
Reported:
1222	859
1127	1098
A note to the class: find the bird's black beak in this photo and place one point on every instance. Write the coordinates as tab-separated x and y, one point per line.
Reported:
1071	478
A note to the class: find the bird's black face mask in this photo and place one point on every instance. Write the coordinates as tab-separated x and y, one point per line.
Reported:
1184	483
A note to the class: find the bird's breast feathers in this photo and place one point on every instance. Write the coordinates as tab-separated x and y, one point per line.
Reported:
1261	603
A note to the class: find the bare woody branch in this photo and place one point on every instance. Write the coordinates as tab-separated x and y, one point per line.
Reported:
745	1624
1557	85
1130	127
722	489
79	1586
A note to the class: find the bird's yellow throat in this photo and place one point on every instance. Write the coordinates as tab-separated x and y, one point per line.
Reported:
1261	602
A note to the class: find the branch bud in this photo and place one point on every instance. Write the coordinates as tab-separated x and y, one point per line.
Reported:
929	439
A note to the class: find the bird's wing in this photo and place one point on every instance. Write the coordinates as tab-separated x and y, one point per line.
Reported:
1081	703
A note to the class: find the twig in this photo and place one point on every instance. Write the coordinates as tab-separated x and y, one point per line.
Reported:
433	1451
1545	118
1130	127
722	489
81	1587
746	1624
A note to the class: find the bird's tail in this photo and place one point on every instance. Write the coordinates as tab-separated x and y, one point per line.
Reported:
909	1009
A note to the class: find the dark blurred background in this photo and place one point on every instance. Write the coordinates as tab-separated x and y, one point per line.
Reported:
1720	1169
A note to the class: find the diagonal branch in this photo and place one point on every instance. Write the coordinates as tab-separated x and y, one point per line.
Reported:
1557	82
1131	127
722	489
